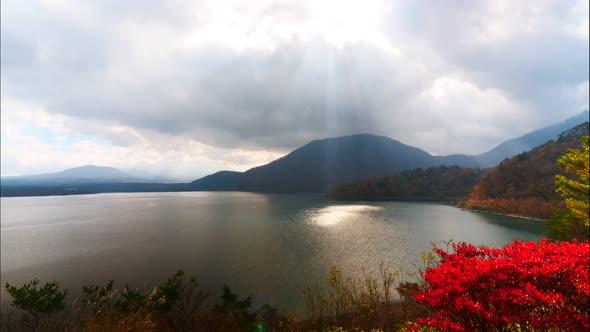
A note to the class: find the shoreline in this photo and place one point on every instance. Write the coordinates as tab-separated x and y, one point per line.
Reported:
502	214
390	199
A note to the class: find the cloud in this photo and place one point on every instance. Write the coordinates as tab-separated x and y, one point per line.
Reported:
37	141
193	87
531	50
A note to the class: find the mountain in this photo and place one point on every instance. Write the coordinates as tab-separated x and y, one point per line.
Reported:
513	146
88	172
77	175
322	164
87	179
527	142
440	183
525	184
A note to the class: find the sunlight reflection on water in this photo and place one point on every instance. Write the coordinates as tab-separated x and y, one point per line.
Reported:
336	214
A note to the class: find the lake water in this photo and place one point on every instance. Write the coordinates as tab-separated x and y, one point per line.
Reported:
271	246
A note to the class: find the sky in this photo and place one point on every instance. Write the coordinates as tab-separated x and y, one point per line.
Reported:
187	88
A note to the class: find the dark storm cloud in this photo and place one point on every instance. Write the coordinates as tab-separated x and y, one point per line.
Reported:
227	98
119	65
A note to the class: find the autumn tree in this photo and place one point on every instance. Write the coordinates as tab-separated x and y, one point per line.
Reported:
573	223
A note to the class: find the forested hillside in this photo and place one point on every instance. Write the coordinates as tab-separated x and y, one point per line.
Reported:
525	184
435	183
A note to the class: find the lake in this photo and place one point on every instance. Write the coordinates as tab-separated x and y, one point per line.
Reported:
270	246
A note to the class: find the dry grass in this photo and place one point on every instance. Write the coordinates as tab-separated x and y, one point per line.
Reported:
366	303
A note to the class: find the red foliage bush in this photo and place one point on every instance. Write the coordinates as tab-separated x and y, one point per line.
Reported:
523	286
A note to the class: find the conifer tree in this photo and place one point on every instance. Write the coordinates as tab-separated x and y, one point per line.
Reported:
573	223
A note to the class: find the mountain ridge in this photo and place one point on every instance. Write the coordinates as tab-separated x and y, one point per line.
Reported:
80	174
321	164
525	184
530	140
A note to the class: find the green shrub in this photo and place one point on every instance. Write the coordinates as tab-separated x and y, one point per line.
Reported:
37	302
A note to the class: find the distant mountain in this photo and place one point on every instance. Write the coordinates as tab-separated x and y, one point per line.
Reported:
77	175
526	142
322	164
525	184
87	179
513	146
88	172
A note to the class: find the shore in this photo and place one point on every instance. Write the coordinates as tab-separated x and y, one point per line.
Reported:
501	214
